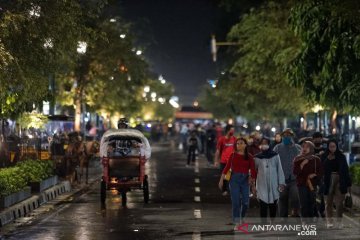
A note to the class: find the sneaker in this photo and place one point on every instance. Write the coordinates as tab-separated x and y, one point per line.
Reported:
225	193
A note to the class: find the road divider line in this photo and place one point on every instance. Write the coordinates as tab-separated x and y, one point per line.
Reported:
197	199
196	235
196	170
197	213
197	180
197	189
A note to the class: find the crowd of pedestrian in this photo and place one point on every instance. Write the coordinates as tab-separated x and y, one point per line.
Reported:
286	176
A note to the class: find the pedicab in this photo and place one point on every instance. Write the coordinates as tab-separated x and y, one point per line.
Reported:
123	154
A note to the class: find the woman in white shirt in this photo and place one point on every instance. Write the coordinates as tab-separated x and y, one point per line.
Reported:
270	180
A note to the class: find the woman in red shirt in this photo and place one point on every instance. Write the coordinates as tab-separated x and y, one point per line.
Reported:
240	163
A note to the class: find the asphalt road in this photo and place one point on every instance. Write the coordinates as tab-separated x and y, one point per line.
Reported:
184	204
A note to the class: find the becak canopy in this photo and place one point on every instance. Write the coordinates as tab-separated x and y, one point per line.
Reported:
145	149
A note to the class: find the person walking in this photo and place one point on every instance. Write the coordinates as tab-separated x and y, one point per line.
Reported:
277	140
240	163
210	144
270	180
193	144
337	182
224	148
308	171
287	151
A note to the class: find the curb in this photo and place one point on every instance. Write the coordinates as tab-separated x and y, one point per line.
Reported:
25	207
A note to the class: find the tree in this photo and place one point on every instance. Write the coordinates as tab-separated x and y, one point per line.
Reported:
36	39
257	85
109	75
158	107
327	66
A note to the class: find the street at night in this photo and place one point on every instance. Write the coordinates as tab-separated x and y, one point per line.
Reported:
185	203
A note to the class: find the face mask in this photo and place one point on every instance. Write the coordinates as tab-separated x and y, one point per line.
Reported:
264	147
231	133
287	140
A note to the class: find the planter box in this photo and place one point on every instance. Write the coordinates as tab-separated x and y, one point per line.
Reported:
14	198
37	187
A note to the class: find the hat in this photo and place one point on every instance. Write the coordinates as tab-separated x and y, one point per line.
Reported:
289	131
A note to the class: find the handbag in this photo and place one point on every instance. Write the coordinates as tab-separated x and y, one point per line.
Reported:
348	202
228	174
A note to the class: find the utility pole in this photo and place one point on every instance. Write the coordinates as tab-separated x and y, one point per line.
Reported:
214	46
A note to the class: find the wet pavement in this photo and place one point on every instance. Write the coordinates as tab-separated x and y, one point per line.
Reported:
184	204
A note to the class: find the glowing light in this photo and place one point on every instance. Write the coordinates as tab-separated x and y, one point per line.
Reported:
148	125
138	52
273	129
81	47
174	103
48	43
258	128
112	20
122	36
35	11
153	94
146	89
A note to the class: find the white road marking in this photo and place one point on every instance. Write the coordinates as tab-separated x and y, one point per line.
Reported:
197	180
196	235
197	213
197	189
197	164
196	170
197	199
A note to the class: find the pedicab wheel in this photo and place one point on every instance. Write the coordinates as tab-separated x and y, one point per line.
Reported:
146	189
102	191
123	198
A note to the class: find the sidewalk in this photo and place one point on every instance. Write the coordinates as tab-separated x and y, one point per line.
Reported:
49	198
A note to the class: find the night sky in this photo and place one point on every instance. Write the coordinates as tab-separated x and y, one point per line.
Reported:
178	33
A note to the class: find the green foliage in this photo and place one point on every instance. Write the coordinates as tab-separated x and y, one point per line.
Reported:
32	120
257	85
36	170
355	174
162	111
109	70
11	180
327	66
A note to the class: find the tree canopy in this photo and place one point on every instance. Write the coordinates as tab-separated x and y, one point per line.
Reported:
328	64
257	85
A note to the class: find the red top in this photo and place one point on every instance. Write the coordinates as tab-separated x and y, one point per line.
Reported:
226	147
239	164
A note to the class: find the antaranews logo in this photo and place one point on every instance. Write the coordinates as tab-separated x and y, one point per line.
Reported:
302	230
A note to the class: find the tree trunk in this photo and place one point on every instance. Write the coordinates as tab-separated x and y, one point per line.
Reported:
77	126
304	123
333	122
